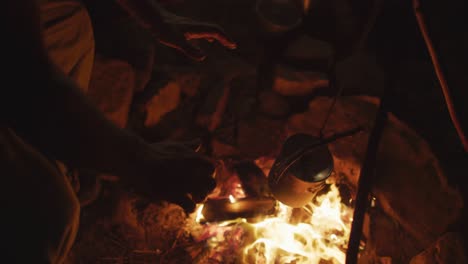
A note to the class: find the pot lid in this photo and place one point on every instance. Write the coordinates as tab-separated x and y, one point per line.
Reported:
305	157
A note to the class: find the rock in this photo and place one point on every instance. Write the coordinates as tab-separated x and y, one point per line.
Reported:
243	95
273	104
188	78
179	81
166	100
260	136
447	249
409	184
289	81
360	73
221	149
207	92
111	88
389	240
306	48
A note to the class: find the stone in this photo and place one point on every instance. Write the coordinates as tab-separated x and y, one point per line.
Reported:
409	184
111	88
206	91
221	149
360	73
273	104
188	78
166	100
447	249
243	95
291	82
260	136
307	48
389	240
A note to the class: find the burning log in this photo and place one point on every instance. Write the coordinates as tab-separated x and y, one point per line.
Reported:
215	210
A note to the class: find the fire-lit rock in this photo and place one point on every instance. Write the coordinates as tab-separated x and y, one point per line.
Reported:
111	88
306	48
447	249
289	81
273	104
260	136
166	100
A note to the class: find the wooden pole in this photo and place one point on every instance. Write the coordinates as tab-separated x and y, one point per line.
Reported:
365	182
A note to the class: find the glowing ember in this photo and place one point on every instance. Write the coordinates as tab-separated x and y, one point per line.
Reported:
232	199
198	213
321	234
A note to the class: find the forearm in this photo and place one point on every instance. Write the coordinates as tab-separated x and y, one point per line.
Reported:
59	121
48	111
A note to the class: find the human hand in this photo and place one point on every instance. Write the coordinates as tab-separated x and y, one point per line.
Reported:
176	174
177	31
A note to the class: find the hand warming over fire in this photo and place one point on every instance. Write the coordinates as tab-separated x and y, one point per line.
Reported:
176	174
177	31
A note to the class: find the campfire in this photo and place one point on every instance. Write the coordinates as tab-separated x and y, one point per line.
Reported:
316	233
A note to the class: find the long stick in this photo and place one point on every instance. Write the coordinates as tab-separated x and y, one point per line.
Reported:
439	73
365	181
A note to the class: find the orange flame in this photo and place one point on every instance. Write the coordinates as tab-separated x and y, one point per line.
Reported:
324	236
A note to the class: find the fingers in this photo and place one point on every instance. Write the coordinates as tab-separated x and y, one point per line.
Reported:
200	181
210	33
174	39
211	36
180	176
187	149
194	145
186	48
197	190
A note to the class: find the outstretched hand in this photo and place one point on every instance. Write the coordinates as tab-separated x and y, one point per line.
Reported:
177	174
177	31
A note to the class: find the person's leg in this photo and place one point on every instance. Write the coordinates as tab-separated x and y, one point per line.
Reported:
40	211
69	39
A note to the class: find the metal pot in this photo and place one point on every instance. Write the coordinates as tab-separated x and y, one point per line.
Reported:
300	170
